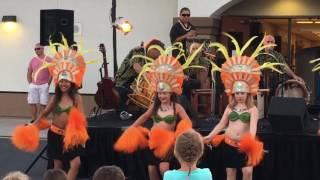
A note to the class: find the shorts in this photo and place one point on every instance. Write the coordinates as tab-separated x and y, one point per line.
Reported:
55	148
38	94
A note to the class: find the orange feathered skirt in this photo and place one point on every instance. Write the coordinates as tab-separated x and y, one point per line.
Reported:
159	140
76	130
249	149
56	146
26	137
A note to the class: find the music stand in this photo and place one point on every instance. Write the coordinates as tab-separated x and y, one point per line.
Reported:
40	155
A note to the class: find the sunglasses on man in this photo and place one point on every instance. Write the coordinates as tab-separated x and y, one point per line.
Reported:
185	15
37	49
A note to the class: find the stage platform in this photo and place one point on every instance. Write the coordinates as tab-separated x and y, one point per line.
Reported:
288	156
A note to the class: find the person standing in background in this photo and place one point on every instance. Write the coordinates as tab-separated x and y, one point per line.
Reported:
38	90
272	80
181	31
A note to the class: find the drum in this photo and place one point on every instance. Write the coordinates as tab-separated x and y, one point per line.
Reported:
293	88
260	101
142	95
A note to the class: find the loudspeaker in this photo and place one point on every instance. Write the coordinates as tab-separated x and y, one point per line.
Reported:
287	114
53	22
312	79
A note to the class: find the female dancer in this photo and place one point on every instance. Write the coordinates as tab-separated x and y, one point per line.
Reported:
165	112
62	103
67	134
239	118
165	75
240	76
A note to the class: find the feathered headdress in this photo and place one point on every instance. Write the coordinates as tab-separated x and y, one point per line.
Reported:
166	73
317	66
242	73
66	64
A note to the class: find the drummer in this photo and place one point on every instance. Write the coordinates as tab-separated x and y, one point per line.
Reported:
271	80
130	68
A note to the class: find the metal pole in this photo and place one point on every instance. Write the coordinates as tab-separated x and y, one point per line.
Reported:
114	38
289	41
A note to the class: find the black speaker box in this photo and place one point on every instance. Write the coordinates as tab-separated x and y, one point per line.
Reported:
53	22
303	69
287	114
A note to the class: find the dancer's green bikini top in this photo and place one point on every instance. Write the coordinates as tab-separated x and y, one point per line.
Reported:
58	110
244	117
168	119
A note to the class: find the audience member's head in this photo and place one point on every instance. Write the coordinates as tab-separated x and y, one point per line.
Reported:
16	175
153	53
189	147
55	174
109	173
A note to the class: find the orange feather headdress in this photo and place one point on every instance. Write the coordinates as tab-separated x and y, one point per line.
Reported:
241	73
66	64
166	73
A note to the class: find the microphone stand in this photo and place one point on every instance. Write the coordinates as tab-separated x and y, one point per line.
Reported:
282	88
282	83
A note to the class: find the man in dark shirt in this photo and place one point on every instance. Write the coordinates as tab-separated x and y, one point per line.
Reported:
130	68
182	30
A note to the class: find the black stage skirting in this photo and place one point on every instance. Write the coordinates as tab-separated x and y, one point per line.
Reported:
292	157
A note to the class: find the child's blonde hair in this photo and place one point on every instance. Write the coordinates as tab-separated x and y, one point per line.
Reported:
16	175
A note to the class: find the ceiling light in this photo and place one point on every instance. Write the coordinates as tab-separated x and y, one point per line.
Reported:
304	22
